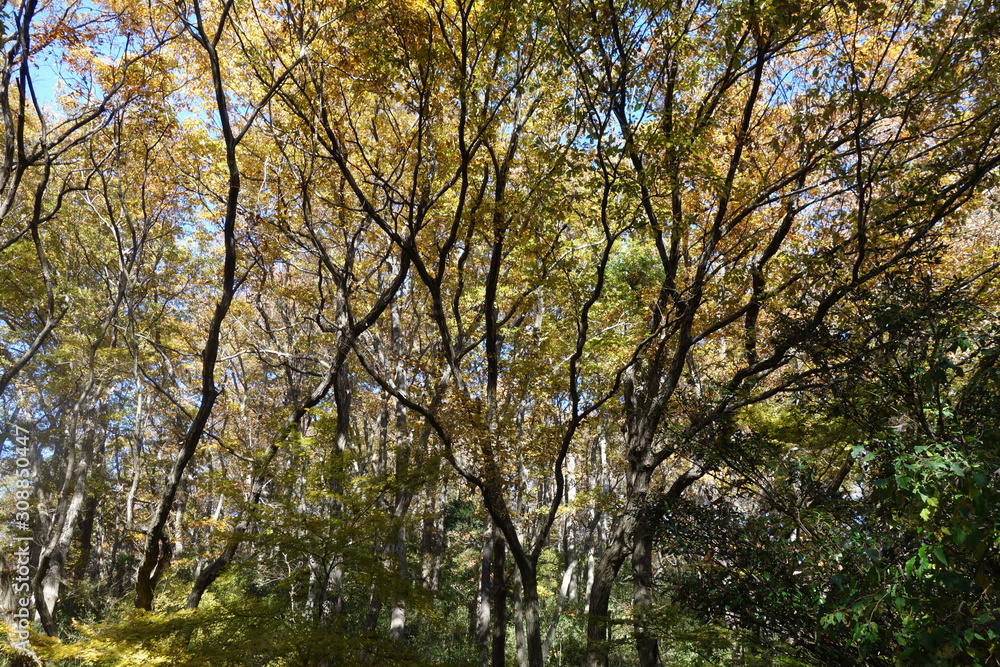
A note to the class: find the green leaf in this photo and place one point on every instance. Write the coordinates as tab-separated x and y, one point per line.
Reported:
939	554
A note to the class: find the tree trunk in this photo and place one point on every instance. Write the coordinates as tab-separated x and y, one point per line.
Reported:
397	617
499	601
482	620
642	597
86	539
432	547
532	622
374	611
572	559
520	642
155	547
52	558
616	551
598	621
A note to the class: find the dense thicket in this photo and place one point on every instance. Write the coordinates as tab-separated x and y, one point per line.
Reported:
480	332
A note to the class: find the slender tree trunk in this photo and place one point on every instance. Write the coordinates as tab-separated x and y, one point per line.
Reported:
598	620
482	620
573	558
642	597
86	538
178	527
619	546
520	642
532	622
374	612
499	601
155	551
397	617
404	496
432	546
616	551
589	585
52	557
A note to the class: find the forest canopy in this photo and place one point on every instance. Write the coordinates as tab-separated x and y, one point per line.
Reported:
479	332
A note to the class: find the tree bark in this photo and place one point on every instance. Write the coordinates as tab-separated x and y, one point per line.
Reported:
616	551
520	643
482	621
532	622
52	558
86	539
646	643
499	601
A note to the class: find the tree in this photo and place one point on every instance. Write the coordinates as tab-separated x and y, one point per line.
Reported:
207	36
559	318
456	196
39	148
769	198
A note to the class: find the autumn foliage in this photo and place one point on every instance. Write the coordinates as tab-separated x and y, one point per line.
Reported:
479	332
